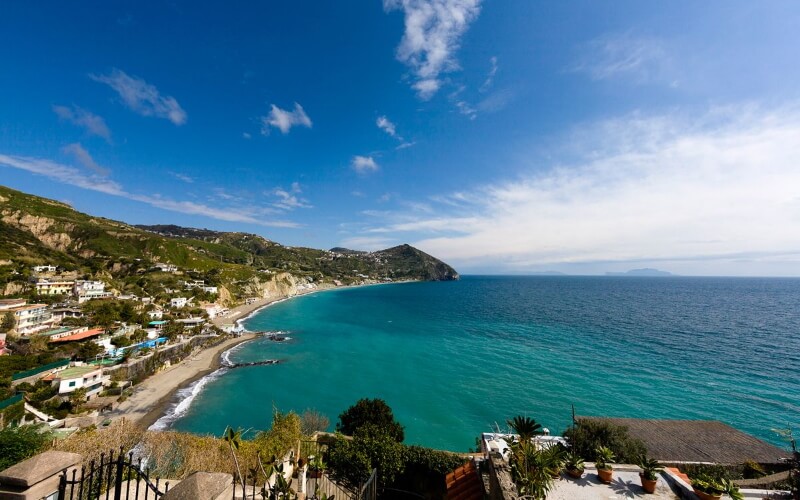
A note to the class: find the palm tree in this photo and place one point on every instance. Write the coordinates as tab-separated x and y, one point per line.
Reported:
526	427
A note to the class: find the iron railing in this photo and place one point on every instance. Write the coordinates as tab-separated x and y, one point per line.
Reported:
114	477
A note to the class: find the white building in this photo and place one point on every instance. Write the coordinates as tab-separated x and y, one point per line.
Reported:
189	323
155	314
44	269
167	268
84	376
87	290
210	289
214	310
30	318
178	302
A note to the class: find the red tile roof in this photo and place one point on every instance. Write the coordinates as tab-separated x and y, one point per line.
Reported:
80	336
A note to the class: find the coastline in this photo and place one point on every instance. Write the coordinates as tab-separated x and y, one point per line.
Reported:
153	396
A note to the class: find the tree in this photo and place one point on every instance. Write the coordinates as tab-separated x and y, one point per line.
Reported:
88	350
172	329
19	443
77	397
351	461
8	323
526	427
312	421
370	411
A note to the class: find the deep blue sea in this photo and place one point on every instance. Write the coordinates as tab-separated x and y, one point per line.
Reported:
454	358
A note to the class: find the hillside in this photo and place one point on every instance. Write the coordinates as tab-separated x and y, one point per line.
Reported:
36	231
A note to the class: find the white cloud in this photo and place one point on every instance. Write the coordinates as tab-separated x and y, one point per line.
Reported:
368	243
433	30
490	76
364	164
142	97
182	177
702	192
290	199
405	145
74	177
284	120
246	135
387	126
465	109
84	158
93	124
624	55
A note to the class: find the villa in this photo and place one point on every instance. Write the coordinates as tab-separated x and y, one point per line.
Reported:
76	377
88	290
178	302
47	287
29	318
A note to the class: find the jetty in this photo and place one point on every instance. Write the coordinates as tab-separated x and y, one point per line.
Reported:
253	363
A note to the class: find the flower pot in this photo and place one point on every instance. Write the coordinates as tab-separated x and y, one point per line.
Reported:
702	495
576	473
605	475
648	485
315	473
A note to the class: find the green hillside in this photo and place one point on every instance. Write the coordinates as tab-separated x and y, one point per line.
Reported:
35	230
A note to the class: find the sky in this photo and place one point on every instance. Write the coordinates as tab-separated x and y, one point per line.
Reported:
504	137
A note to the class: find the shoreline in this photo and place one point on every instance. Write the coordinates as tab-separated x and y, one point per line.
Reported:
153	396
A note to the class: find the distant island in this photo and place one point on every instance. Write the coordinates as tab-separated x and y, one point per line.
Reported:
641	272
548	273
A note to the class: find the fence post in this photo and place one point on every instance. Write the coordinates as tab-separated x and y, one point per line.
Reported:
118	479
62	485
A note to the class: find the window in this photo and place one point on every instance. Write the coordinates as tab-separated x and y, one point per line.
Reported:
72	384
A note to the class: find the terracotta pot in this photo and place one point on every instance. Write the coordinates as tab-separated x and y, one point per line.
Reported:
648	485
707	496
605	475
576	473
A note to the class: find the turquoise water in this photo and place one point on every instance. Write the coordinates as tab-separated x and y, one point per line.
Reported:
453	358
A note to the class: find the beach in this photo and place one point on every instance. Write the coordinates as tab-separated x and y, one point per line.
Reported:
152	396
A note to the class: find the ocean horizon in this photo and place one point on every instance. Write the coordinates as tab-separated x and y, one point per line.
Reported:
454	359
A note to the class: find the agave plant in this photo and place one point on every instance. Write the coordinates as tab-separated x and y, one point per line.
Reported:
573	461
650	468
526	427
604	458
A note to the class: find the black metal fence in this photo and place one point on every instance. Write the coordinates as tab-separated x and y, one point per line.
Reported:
114	477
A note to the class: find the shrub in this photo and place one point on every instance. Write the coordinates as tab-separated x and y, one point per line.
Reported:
19	443
370	411
589	434
312	421
351	461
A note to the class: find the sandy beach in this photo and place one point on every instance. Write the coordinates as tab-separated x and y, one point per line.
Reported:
151	397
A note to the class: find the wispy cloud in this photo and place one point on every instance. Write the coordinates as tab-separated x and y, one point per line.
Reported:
284	120
364	164
387	126
69	175
93	124
368	243
702	190
466	109
84	158
433	30
624	55
142	97
290	199
182	177
487	84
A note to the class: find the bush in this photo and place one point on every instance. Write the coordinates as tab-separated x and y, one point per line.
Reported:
589	434
370	411
19	443
372	447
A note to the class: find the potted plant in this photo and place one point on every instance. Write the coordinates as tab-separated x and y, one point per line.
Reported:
574	465
315	466
711	488
553	457
649	474
603	458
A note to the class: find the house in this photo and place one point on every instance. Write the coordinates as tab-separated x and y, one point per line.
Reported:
30	318
155	314
64	331
90	378
178	302
88	290
66	312
7	304
194	284
210	289
55	287
189	323
44	269
86	334
166	268
214	310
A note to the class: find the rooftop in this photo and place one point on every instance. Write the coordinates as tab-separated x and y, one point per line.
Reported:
76	371
80	336
698	441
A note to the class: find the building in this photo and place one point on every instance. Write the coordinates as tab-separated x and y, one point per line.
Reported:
210	289
90	378
155	314
44	269
189	323
88	290
30	318
214	310
86	334
7	304
178	302
167	268
64	331
66	312
48	287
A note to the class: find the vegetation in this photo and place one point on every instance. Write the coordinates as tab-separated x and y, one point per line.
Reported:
650	468
312	421
714	484
373	412
590	434
20	442
351	461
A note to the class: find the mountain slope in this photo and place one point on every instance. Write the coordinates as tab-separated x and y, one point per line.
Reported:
36	230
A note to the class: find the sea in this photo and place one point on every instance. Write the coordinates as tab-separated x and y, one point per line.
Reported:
454	359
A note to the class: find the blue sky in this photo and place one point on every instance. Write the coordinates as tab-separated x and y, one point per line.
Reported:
503	137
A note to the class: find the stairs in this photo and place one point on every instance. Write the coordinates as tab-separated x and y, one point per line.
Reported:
464	483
